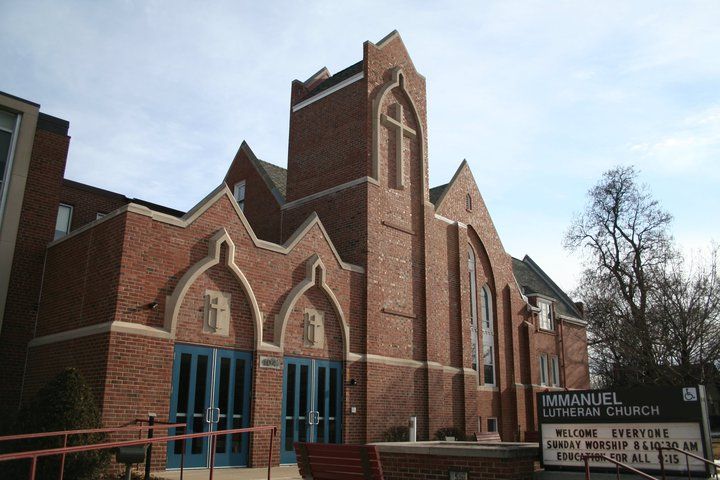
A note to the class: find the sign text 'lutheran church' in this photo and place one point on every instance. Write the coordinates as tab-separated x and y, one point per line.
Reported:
629	426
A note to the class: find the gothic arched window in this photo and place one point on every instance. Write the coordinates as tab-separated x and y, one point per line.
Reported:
473	308
488	337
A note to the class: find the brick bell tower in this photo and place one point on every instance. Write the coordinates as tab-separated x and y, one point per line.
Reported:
358	157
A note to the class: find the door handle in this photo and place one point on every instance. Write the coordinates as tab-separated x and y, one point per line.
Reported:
208	415
317	417
310	417
217	418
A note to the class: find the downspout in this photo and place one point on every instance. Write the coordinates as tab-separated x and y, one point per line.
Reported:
37	315
562	351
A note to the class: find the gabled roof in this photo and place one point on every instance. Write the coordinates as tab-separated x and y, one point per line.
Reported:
337	78
533	280
436	192
277	175
274	177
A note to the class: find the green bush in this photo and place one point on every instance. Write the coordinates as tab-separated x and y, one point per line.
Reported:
65	403
443	433
396	434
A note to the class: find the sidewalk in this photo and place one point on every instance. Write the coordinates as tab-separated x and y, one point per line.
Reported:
289	472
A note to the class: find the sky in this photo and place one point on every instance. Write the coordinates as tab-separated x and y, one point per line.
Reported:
540	97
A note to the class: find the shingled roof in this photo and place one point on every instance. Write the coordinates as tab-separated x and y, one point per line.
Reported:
337	78
119	196
436	193
277	175
533	280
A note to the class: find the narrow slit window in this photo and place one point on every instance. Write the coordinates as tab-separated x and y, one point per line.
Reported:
239	194
555	370
543	369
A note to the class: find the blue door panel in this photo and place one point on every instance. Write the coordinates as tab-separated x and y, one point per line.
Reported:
311	404
208	399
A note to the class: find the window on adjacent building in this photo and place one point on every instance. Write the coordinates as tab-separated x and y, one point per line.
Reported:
473	308
492	425
239	194
468	202
543	369
488	337
64	217
555	371
547	321
8	129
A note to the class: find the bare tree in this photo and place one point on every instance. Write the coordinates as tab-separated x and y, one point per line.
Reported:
687	299
625	235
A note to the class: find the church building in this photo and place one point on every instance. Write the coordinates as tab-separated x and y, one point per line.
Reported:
334	299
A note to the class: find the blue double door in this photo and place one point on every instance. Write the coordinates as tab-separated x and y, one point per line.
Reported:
312	404
210	392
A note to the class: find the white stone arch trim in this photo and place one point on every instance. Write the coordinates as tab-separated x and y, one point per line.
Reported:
314	263
397	72
490	282
174	301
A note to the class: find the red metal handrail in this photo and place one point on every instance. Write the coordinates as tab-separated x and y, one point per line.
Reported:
687	461
128	427
125	428
618	465
34	455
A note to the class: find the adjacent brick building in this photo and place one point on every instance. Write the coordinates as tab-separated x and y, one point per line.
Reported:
334	299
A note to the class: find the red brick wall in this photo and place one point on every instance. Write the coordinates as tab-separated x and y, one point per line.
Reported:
394	394
36	229
82	278
261	208
294	331
87	203
344	216
192	312
137	382
576	356
404	466
88	354
327	142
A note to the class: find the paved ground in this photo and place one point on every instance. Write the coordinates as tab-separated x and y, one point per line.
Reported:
278	473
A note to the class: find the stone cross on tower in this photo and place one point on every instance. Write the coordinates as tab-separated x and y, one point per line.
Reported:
401	131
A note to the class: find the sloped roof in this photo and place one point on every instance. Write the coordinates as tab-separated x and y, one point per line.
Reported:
119	196
277	175
436	193
533	280
337	78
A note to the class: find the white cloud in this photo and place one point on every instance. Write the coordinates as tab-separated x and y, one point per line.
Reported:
691	146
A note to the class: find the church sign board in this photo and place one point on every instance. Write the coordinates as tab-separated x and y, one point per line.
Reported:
627	425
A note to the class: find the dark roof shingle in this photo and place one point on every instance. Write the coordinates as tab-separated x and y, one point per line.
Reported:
436	193
277	175
337	78
533	280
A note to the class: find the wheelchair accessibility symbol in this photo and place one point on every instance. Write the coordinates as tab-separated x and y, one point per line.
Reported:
690	394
